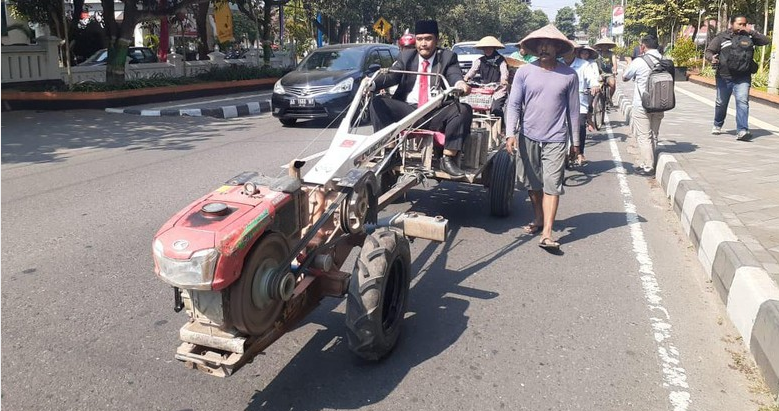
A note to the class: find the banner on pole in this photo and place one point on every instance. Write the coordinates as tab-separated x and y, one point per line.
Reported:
224	22
617	21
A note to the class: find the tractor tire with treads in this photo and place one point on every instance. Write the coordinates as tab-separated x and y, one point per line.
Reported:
378	294
503	174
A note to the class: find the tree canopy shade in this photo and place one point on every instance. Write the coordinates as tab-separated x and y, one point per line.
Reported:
593	14
565	21
505	19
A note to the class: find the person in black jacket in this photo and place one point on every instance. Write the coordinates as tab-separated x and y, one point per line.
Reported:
453	119
731	53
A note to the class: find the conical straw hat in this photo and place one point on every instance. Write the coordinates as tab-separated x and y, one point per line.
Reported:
530	42
588	48
605	43
489	41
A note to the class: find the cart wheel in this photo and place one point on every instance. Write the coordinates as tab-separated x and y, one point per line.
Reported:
503	175
288	122
378	294
251	311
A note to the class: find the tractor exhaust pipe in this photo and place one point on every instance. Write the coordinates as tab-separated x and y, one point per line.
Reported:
415	225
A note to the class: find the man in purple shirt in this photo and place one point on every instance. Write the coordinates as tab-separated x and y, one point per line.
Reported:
542	109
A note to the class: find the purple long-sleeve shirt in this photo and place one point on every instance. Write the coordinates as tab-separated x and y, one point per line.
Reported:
546	98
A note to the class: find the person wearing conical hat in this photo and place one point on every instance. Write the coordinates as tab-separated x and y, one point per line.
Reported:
545	97
608	66
491	68
589	85
454	120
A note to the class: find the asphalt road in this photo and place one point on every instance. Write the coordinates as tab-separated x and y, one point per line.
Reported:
622	319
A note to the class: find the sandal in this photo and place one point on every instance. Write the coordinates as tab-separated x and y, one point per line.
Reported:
532	228
548	244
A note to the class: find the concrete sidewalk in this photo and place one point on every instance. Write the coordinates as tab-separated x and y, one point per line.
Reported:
726	193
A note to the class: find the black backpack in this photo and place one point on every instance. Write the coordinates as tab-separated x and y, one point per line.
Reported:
659	95
739	57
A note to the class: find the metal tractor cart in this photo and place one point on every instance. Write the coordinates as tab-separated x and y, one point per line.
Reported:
251	259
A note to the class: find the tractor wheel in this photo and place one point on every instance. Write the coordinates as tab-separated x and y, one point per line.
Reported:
503	174
251	311
378	294
288	122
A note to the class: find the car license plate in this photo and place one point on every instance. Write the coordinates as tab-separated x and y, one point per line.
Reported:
302	102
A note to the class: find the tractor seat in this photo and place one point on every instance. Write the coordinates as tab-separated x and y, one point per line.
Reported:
439	138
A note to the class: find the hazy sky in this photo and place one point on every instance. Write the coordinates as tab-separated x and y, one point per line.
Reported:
550	7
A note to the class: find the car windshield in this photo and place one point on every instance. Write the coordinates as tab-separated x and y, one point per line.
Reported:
510	48
101	55
465	50
332	60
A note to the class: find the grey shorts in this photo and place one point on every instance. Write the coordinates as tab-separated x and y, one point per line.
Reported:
544	165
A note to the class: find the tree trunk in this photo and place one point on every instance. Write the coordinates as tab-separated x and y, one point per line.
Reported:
117	48
353	33
266	33
202	30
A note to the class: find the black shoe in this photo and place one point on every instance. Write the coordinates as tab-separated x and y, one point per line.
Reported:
449	166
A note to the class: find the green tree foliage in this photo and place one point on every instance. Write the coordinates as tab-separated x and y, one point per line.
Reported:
565	21
665	19
593	14
120	34
508	20
659	17
243	27
298	26
264	13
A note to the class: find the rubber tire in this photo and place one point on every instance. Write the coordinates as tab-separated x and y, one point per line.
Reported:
244	314
378	294
503	175
288	122
598	111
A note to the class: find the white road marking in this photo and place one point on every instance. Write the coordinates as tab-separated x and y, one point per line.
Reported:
752	120
674	375
201	103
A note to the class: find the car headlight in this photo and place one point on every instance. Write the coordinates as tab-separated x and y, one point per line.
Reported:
196	273
343	86
278	88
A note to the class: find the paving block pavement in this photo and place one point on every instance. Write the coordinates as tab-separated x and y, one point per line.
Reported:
726	194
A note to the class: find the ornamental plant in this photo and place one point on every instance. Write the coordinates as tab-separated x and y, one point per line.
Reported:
684	52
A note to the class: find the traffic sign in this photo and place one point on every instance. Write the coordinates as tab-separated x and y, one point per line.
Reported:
382	26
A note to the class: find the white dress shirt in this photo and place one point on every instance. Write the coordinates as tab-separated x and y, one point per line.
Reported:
413	95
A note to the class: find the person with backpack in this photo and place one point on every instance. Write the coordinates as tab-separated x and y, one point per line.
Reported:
731	52
653	94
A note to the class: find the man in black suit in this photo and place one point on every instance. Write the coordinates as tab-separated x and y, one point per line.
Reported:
454	119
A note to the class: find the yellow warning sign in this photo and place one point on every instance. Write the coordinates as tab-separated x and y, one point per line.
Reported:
382	27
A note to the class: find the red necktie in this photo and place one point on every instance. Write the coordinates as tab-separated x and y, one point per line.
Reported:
423	84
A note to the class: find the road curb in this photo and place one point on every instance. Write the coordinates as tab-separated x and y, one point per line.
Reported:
240	110
750	295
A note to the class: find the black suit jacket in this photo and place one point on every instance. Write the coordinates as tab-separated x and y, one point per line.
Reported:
445	63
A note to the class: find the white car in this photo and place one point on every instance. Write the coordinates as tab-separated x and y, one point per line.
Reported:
466	54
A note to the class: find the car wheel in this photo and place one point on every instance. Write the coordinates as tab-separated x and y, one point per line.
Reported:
288	122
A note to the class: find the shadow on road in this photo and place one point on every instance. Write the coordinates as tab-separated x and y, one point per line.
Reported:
581	226
36	137
325	375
